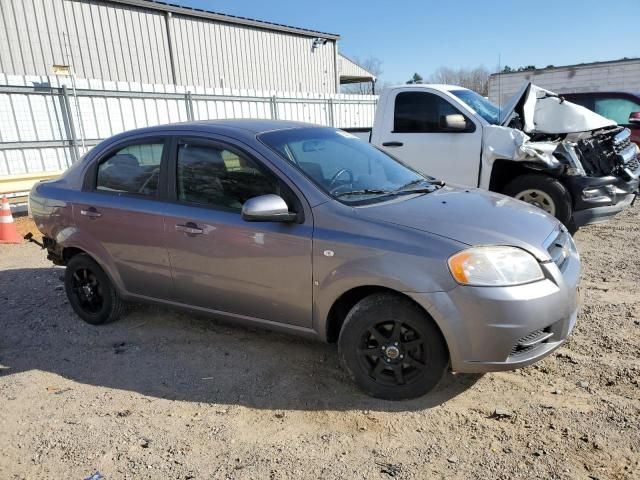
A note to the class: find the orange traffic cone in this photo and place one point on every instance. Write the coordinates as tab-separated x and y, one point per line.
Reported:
8	232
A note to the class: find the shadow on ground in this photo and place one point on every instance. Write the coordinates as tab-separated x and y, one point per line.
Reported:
174	355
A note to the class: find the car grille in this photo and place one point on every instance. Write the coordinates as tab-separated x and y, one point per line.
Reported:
530	342
627	153
621	141
609	153
632	167
559	248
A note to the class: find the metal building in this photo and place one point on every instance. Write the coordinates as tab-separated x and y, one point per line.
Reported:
152	42
586	77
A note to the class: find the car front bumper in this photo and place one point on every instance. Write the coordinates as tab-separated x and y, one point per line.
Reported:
609	196
503	328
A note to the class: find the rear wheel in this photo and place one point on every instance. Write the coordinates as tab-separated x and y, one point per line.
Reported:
544	192
90	291
391	348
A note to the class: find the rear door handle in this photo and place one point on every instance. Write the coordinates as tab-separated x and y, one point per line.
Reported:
90	212
392	144
190	228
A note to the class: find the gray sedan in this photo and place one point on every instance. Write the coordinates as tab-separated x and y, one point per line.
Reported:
309	230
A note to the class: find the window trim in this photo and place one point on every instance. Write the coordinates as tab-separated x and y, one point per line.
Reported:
91	175
172	173
471	125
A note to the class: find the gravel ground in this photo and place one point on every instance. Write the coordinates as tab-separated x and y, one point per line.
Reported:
162	394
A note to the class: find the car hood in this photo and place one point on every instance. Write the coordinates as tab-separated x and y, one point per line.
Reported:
470	216
543	111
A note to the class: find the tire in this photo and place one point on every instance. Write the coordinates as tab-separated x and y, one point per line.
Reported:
544	192
413	346
90	291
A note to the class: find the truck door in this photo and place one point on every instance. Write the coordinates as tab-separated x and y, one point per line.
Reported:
426	131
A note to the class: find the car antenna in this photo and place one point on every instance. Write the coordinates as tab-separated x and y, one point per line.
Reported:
499	89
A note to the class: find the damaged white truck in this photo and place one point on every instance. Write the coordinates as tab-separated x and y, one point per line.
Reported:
539	148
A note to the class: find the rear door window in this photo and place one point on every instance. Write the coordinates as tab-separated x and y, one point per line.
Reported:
134	169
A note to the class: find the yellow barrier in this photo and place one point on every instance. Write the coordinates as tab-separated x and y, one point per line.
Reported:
23	183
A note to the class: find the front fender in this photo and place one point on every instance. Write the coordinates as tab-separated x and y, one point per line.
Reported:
372	254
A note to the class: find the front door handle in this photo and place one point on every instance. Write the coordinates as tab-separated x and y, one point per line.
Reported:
90	212
190	228
392	144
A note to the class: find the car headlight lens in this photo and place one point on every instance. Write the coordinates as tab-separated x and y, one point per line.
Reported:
494	266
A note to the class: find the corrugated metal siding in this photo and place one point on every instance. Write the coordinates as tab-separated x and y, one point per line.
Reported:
249	58
117	42
610	76
349	68
122	44
35	124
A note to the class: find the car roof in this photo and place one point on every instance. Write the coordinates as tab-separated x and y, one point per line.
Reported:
252	125
241	127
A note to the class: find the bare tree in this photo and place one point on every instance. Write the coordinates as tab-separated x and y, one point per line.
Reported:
371	64
476	79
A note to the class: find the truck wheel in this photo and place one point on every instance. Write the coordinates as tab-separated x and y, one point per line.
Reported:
90	291
391	348
544	192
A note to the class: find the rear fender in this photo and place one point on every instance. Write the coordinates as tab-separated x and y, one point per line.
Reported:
73	237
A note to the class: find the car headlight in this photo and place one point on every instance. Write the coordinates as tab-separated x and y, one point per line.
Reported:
494	266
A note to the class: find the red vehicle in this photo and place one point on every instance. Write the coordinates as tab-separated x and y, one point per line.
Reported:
621	107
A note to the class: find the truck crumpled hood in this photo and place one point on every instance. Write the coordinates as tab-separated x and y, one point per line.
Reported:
470	216
542	111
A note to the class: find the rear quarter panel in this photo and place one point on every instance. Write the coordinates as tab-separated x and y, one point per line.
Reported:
53	206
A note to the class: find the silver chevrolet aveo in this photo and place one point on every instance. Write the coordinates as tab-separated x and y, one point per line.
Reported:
309	230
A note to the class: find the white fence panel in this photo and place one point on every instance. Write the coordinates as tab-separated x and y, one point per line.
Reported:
48	122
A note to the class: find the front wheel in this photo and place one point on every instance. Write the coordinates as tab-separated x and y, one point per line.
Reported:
544	192
391	348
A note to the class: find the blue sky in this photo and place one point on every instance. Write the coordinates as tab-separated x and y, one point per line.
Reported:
422	35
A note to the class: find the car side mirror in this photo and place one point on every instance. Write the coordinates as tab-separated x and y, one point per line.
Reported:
267	208
454	122
634	117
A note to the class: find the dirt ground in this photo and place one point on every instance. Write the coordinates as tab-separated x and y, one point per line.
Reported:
162	394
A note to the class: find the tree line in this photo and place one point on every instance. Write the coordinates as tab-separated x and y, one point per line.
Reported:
476	79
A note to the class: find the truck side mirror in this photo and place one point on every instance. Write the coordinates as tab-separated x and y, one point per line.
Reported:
634	117
454	122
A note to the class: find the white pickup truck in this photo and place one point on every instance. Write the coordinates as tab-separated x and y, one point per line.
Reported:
539	148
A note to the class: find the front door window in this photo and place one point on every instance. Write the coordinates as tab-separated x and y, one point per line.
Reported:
217	177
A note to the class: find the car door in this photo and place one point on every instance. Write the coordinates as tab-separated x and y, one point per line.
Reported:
416	134
120	212
220	262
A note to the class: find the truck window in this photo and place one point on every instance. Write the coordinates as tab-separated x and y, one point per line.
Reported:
420	112
616	109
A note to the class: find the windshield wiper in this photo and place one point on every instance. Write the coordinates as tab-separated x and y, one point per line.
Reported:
408	187
365	191
411	184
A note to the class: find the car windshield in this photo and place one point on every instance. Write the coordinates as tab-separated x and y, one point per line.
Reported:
482	106
344	166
